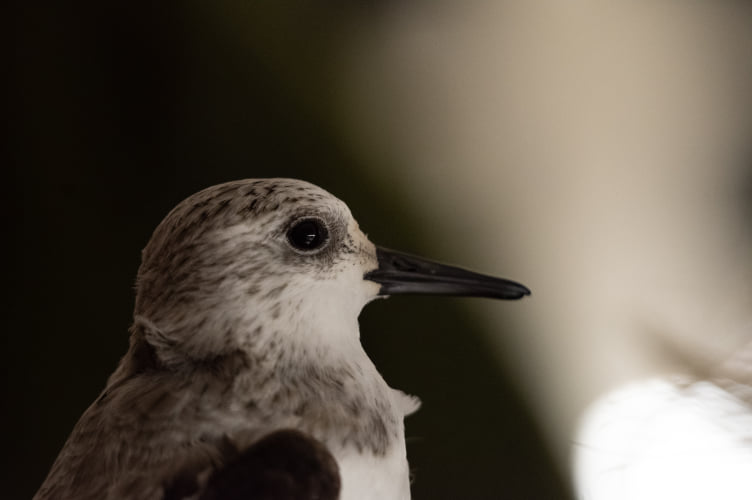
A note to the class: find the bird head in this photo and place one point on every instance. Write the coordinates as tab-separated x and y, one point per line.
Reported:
240	264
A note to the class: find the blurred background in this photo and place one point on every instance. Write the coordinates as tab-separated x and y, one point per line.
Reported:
600	153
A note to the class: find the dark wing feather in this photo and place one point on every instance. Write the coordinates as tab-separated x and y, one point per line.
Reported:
283	465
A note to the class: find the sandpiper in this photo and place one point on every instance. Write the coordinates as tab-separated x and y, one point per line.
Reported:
245	356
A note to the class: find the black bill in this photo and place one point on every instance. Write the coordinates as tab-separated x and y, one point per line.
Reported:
400	273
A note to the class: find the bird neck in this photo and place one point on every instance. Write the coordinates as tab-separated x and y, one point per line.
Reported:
330	389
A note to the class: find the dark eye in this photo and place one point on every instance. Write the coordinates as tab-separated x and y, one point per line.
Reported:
308	234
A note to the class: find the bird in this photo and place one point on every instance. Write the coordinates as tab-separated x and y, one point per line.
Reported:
245	376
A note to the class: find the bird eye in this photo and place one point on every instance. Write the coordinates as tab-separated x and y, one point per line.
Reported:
308	234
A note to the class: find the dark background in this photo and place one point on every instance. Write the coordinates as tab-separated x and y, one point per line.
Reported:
118	110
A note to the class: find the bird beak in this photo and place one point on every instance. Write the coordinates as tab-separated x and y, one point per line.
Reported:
399	273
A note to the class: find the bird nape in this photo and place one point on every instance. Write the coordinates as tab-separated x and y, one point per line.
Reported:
245	376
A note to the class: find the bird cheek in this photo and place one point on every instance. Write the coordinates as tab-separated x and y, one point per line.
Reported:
372	291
